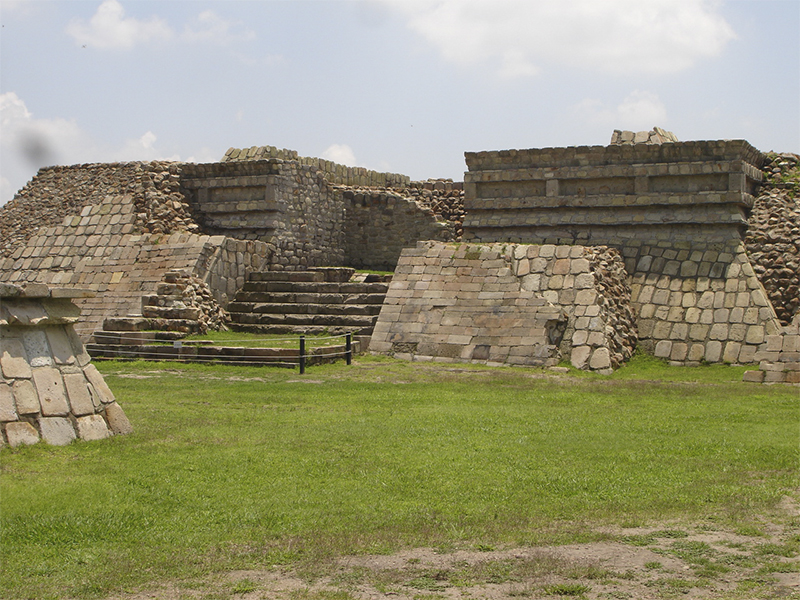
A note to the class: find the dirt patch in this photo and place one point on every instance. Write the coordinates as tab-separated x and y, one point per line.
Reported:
640	563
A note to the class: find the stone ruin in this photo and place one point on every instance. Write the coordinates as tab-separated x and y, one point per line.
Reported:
692	247
48	388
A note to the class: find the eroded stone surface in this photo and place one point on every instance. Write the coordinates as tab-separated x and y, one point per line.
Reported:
57	431
92	427
21	433
117	420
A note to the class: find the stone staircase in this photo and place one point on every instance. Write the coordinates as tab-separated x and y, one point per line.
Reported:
321	300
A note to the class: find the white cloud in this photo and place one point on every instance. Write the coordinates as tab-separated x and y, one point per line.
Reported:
340	153
639	111
521	37
109	28
28	143
211	28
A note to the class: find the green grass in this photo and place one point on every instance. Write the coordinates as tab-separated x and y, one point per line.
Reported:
237	468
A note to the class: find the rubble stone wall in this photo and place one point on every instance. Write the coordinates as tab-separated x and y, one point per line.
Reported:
508	304
49	390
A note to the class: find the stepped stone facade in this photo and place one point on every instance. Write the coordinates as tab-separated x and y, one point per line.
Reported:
117	229
676	212
48	388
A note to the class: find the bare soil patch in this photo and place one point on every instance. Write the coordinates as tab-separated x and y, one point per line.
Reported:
637	563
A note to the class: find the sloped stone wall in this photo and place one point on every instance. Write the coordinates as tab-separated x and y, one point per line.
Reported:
507	304
49	390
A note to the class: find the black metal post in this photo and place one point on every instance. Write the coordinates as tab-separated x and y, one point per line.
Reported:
348	348
302	354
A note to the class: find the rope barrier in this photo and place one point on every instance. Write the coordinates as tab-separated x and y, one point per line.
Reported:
195	353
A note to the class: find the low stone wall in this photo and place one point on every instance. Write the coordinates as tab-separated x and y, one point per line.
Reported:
507	304
334	173
48	389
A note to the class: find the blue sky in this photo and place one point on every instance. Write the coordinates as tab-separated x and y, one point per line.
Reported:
393	85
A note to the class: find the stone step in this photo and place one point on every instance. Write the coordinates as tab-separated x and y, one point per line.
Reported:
225	354
134	338
288	276
363	332
315	288
145	324
344	321
166	312
307	298
304	308
313	274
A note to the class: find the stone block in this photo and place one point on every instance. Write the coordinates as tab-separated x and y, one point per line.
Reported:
26	398
713	351
117	420
755	334
663	349
679	351
731	352
600	360
78	394
774	377
579	356
21	433
696	352
753	376
92	427
99	384
747	354
50	388
774	343
8	410
60	345
13	360
57	431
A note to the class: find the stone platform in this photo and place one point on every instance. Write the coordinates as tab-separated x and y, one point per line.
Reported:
49	390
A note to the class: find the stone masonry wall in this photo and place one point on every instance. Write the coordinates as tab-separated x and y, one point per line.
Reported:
98	250
507	304
676	212
773	234
284	203
49	390
334	173
380	223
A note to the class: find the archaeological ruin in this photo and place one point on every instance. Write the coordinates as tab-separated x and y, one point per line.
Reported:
49	390
689	251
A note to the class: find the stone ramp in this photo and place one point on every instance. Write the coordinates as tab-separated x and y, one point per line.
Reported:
308	302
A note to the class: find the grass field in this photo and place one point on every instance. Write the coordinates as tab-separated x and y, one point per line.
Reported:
233	468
